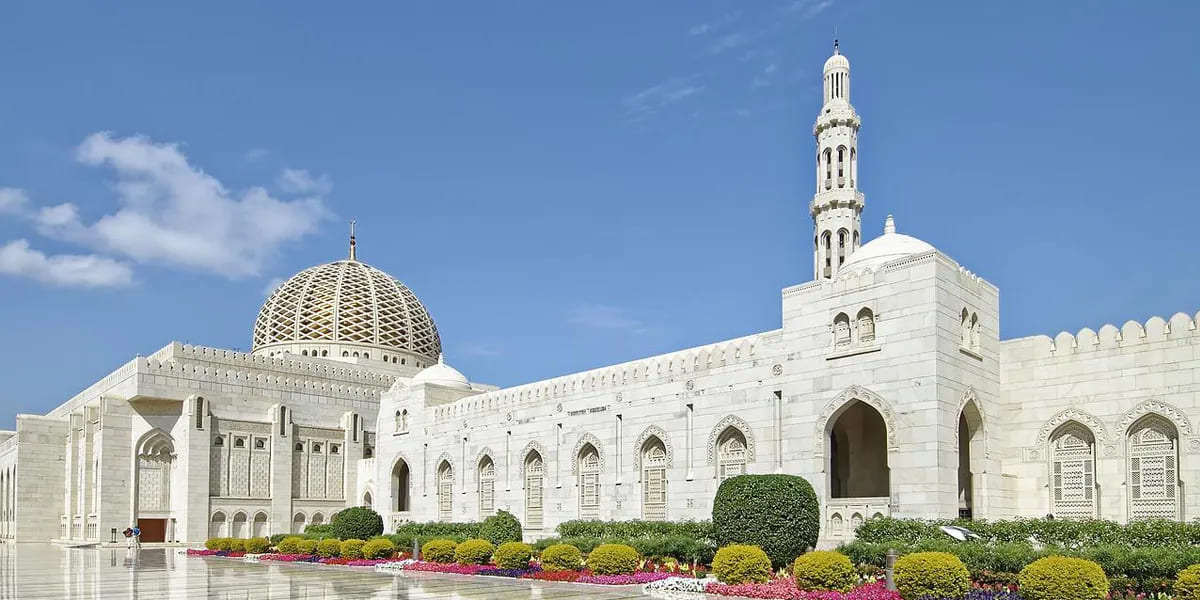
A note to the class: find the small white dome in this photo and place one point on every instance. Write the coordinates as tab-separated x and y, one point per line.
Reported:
837	61
884	249
442	374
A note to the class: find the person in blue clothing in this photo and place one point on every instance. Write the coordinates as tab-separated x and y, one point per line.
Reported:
136	536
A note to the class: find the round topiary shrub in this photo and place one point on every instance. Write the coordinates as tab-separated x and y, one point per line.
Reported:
613	559
474	552
237	545
306	547
212	543
824	570
561	557
1063	578
289	545
379	548
932	575
329	548
356	522
777	513
257	545
513	555
351	548
1187	584
439	551
739	563
500	528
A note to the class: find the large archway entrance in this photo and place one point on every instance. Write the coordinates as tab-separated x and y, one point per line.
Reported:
155	459
400	486
858	474
971	452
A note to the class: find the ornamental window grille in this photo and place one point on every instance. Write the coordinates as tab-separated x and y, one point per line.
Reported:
1153	470
589	484
445	492
535	475
487	488
866	326
731	454
654	480
841	331
199	413
154	475
1073	472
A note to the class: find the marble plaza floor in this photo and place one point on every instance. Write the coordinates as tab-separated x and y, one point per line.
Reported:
43	571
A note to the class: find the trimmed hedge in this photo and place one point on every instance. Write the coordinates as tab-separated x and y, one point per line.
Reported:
329	548
306	547
319	532
824	570
289	544
474	552
932	575
1146	533
1187	584
1063	578
439	551
356	522
352	548
378	548
628	530
513	555
739	563
680	548
778	513
236	544
500	528
257	545
613	559
561	557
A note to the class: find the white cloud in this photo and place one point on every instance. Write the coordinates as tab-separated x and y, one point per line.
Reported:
173	213
300	181
89	270
599	316
661	95
479	349
810	8
13	200
730	41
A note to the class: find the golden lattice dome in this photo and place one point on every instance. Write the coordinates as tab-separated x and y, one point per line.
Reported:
346	309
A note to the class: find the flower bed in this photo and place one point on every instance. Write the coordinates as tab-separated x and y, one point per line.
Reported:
194	552
785	588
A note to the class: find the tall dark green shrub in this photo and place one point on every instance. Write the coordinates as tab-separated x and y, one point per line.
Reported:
357	523
778	513
500	528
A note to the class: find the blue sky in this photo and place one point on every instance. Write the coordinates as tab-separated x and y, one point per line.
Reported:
564	184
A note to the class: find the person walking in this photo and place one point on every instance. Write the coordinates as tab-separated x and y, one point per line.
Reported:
136	535
128	533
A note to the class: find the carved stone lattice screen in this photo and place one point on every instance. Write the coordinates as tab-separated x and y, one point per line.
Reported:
731	460
535	475
589	486
1073	473
654	482
1153	470
445	494
487	488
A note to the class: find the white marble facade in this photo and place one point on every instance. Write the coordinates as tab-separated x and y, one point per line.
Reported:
886	385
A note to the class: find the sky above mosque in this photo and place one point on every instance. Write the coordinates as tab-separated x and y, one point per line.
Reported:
567	185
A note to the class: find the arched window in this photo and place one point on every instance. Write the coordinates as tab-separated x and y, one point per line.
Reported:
239	442
842	239
487	487
965	335
299	447
238	529
589	483
316	448
397	423
260	444
841	332
333	449
535	474
304	353
827	245
318	519
1153	469
866	326
216	527
731	454
853	167
218	441
258	527
858	463
841	166
975	328
345	354
355	355
1073	472
400	486
298	523
828	168
445	492
155	456
366	355
324	353
654	480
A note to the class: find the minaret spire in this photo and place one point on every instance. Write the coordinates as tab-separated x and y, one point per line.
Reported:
353	244
837	206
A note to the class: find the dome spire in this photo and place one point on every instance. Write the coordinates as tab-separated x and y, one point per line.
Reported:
353	250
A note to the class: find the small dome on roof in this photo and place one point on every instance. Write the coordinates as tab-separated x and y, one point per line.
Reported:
442	374
884	249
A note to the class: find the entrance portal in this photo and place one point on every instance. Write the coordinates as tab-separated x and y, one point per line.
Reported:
153	530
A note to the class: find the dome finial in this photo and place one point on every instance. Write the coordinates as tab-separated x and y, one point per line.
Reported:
835	44
889	226
353	250
441	358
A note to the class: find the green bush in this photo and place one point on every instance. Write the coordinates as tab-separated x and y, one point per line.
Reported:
212	544
513	555
306	546
329	548
351	548
1063	578
257	545
289	545
824	570
438	529
356	522
1187	584
1069	534
474	552
439	551
500	528
777	513
319	532
237	545
933	575
680	548
629	530
613	559
379	548
739	563
561	557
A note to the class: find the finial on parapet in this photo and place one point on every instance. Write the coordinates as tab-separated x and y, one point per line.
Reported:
353	249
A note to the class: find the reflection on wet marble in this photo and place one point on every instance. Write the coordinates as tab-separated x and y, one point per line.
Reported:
37	571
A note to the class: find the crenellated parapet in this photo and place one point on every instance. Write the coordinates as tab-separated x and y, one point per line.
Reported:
1130	335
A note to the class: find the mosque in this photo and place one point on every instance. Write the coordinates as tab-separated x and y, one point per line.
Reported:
886	385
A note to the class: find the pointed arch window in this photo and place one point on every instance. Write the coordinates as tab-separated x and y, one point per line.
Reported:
731	454
1073	472
841	332
866	326
654	480
1153	469
589	483
445	492
487	487
535	475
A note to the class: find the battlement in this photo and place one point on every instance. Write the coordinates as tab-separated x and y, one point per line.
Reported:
648	370
1132	333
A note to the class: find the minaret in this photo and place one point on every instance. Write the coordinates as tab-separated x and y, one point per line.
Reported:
837	206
